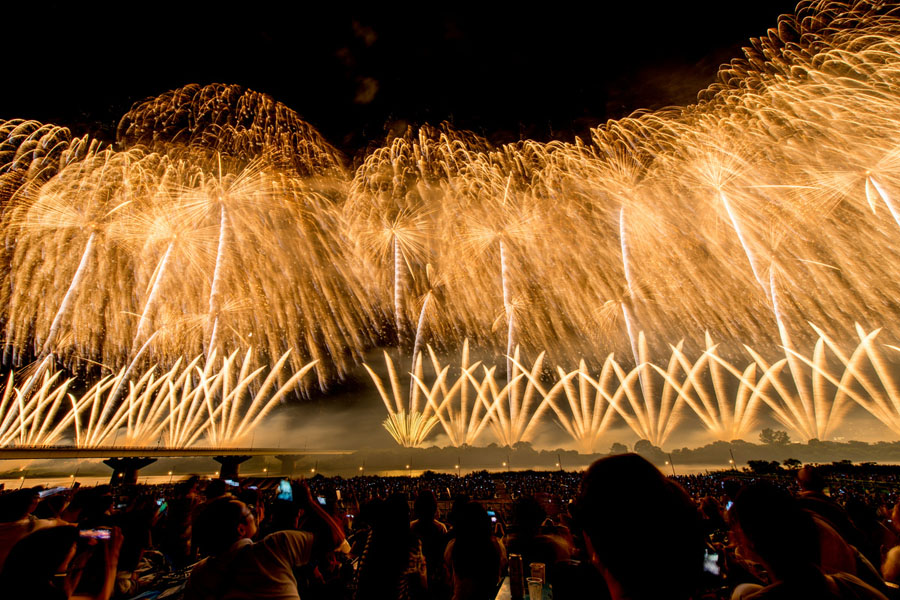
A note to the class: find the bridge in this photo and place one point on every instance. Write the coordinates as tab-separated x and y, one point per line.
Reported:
126	461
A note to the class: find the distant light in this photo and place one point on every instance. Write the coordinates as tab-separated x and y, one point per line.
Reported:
456	467
407	466
72	476
504	463
360	468
170	472
312	470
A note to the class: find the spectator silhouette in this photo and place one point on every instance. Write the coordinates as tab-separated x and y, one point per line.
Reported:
526	538
812	497
16	520
433	535
772	528
475	558
238	567
392	564
45	565
642	530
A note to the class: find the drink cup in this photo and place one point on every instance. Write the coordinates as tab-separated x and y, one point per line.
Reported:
539	571
535	588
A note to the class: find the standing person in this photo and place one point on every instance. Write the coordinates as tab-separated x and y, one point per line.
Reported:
642	531
475	559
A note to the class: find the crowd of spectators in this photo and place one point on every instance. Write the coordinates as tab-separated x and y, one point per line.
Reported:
619	530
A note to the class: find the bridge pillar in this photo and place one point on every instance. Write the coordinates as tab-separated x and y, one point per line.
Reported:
230	466
288	462
125	470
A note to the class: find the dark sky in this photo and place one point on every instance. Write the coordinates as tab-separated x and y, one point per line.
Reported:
506	72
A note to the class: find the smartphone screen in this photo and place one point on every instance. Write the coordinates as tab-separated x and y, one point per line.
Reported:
711	563
321	500
94	534
284	490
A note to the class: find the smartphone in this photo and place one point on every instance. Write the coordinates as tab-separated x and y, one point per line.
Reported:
711	563
94	534
160	501
121	506
51	491
162	506
321	500
728	506
232	482
492	515
284	490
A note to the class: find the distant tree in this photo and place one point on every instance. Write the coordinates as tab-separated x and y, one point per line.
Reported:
643	446
792	463
774	437
763	467
618	448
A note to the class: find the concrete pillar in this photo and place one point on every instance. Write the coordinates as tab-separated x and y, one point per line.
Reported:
230	466
288	462
125	469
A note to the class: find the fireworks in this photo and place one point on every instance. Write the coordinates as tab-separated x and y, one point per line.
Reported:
727	398
220	403
221	219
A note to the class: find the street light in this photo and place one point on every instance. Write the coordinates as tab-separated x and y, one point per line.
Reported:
170	476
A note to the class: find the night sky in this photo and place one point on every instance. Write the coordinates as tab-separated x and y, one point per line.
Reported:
507	72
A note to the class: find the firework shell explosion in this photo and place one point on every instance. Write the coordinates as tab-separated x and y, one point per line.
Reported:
219	219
